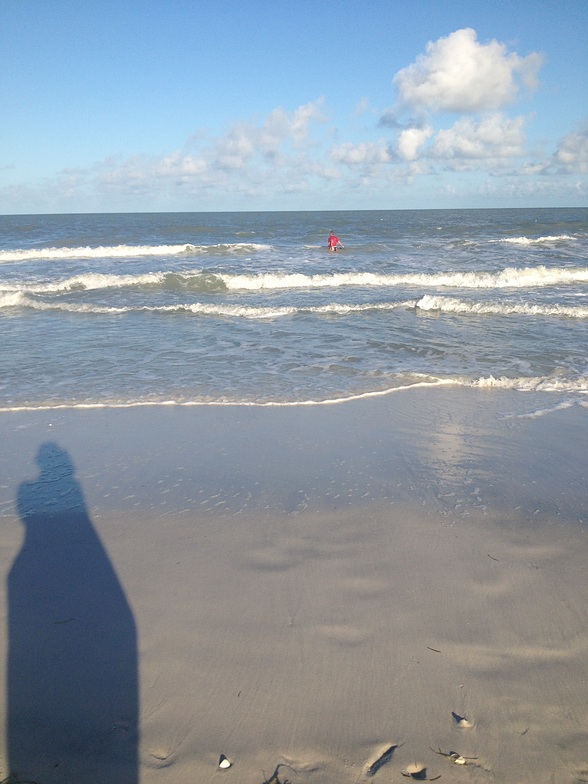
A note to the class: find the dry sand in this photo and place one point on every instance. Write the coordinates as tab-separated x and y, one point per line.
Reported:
305	587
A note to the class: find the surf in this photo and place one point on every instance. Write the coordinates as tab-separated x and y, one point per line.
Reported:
126	251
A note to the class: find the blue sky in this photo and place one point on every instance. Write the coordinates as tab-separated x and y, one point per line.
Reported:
148	105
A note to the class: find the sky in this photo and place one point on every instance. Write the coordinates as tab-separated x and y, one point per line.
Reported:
216	105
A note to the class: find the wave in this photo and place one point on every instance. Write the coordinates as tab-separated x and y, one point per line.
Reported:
126	251
94	281
18	299
451	305
13	300
526	385
511	277
427	303
537	240
205	281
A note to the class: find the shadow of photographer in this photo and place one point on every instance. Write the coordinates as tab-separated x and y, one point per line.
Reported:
72	661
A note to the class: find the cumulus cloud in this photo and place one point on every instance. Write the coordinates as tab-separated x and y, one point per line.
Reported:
280	153
572	153
495	136
459	74
247	139
362	154
570	158
411	140
252	158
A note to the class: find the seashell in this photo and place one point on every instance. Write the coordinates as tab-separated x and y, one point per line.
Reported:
223	762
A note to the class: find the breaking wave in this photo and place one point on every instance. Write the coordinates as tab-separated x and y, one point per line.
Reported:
451	305
537	240
126	251
512	277
202	280
425	304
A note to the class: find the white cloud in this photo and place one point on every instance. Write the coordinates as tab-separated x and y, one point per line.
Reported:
458	74
275	155
572	153
236	147
362	154
279	130
362	107
411	140
302	119
178	165
493	137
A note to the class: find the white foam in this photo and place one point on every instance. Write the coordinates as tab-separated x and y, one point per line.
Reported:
536	384
428	303
124	251
197	308
11	300
528	277
451	305
511	277
537	240
541	412
546	385
87	281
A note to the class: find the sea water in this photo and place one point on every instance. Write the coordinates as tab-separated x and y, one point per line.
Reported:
251	308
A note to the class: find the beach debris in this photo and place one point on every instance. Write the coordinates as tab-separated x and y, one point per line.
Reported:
224	762
456	757
417	771
461	721
382	760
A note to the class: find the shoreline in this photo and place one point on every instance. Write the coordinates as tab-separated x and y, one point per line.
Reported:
311	586
524	385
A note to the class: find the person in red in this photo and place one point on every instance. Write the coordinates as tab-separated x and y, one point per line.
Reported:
333	242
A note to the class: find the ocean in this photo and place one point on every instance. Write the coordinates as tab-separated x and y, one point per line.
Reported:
117	310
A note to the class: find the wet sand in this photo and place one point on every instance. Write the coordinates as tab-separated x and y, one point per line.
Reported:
301	587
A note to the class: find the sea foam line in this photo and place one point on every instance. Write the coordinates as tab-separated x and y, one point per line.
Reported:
541	412
17	299
547	385
427	303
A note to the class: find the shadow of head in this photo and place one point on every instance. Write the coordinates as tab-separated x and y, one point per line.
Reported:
52	459
55	490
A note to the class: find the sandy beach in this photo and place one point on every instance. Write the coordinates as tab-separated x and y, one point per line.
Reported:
324	594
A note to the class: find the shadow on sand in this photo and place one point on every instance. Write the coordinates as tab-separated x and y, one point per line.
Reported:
72	662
